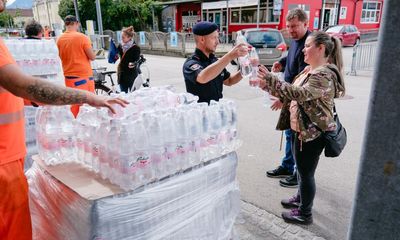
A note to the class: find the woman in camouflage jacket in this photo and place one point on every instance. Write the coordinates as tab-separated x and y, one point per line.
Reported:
312	93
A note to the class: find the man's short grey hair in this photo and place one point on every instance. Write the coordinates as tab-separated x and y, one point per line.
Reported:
299	13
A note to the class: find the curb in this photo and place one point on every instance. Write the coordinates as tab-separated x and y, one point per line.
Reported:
254	223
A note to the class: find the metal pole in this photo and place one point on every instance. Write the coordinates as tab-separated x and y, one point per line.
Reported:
227	22
99	21
76	10
376	209
153	17
258	13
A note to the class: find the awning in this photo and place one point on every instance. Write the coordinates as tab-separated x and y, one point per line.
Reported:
231	4
175	2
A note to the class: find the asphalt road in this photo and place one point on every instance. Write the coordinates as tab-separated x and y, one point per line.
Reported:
335	177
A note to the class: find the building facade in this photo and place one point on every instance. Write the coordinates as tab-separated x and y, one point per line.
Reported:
46	13
234	15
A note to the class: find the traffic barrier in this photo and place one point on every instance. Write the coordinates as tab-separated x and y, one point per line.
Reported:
364	56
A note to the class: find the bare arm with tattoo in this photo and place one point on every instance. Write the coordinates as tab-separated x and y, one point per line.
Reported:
35	89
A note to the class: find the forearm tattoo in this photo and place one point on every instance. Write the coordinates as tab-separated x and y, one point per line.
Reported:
52	94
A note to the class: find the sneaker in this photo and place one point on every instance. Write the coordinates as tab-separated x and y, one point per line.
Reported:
279	172
295	216
293	202
289	182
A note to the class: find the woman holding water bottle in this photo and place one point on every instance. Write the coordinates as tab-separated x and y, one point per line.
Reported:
129	53
310	109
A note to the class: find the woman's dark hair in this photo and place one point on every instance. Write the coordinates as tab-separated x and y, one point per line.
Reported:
333	47
33	28
128	31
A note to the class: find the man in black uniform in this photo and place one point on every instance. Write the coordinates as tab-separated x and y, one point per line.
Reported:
204	73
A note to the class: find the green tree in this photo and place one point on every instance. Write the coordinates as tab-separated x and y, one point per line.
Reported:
115	13
6	20
65	8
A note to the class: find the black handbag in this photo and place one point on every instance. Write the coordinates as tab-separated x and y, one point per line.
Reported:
336	140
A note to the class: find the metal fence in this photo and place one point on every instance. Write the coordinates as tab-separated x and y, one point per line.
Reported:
174	43
364	57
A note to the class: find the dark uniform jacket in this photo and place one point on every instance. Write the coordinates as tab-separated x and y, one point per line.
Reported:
207	91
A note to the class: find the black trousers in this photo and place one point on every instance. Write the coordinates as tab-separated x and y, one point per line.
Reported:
126	80
306	156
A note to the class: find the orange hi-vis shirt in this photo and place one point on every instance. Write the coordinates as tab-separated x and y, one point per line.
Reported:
71	47
12	127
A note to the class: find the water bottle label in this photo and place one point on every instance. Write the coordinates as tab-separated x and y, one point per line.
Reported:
143	161
133	168
63	142
87	147
212	140
170	152
181	149
95	151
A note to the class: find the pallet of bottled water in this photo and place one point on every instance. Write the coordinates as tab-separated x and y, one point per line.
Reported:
37	58
159	134
201	203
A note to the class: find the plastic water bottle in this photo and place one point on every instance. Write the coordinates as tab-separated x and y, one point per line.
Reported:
52	151
67	135
141	154
169	134
156	141
255	61
244	62
102	137
127	167
182	147
113	149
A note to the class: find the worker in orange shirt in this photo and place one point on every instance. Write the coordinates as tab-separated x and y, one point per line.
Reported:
15	221
75	50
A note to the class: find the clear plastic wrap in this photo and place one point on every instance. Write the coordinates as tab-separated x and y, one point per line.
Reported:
30	135
199	204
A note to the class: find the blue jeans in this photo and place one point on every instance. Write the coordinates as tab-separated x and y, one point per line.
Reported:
288	160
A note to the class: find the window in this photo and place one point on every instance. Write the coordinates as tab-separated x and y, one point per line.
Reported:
246	15
235	16
249	16
371	12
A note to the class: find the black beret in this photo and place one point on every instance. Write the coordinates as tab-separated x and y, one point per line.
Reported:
204	28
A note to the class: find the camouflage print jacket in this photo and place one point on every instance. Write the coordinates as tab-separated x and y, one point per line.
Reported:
315	95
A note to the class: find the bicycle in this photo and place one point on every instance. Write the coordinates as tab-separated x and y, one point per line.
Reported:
100	73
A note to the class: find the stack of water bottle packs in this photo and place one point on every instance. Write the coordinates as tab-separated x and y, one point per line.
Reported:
160	133
37	58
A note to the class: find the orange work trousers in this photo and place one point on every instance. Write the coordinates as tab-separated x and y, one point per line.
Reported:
15	219
79	83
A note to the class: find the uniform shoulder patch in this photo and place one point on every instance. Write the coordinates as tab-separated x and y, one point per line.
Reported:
195	66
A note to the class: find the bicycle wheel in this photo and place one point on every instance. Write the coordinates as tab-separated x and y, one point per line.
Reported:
100	89
145	72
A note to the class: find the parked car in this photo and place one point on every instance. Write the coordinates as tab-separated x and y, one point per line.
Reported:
347	34
269	43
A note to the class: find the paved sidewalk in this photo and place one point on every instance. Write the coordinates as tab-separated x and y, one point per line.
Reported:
254	223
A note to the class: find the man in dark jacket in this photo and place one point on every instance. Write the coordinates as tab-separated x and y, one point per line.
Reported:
292	65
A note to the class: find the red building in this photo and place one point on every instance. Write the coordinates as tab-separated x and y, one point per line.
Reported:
181	15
